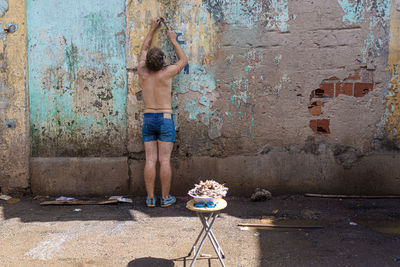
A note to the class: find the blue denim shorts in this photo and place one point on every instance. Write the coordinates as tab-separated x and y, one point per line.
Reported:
157	126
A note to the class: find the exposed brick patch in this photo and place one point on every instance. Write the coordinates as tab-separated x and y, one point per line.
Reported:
328	89
361	89
323	126
320	126
344	89
357	84
325	91
315	108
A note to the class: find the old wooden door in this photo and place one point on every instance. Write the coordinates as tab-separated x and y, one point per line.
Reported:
77	77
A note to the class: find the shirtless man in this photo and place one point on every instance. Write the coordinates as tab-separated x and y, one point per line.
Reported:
158	122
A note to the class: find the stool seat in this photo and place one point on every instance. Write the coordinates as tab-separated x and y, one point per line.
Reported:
220	204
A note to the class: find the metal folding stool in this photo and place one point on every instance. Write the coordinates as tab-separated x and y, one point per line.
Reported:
206	231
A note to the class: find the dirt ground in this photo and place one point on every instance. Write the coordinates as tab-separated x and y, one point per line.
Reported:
354	233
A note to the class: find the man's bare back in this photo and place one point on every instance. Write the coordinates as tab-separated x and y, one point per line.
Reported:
156	85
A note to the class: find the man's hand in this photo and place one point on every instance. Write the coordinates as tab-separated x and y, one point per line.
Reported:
171	35
155	23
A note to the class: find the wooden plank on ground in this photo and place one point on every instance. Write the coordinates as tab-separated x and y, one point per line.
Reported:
278	226
79	202
349	196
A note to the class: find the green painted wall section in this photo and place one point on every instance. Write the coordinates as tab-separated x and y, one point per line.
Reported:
77	77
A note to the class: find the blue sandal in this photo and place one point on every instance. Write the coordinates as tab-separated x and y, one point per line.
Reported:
168	201
151	202
203	204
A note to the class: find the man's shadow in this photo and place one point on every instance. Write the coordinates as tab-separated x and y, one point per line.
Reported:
151	262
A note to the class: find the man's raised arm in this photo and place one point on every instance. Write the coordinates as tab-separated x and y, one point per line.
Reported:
182	58
147	41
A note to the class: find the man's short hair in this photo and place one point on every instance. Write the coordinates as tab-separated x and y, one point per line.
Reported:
155	59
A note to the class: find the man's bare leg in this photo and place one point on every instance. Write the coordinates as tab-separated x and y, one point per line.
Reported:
164	156
150	167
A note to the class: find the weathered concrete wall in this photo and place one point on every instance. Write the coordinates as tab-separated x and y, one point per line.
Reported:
80	176
306	78
291	95
14	116
284	171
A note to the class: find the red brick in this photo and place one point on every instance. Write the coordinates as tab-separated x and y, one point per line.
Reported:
344	89
323	126
315	108
328	89
355	76
361	89
313	125
332	79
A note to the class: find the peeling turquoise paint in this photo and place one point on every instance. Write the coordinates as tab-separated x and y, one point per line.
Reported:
372	11
194	110
3	7
77	77
280	14
241	99
272	14
353	10
238	13
239	88
200	80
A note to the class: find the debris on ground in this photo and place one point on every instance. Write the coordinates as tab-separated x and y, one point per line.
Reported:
261	195
4	197
351	196
40	198
13	200
65	198
77	210
353	223
272	223
79	202
121	199
310	214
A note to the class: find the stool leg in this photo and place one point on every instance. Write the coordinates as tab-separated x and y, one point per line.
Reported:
195	243
213	239
201	232
207	229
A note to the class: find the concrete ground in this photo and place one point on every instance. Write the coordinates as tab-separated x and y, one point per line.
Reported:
355	233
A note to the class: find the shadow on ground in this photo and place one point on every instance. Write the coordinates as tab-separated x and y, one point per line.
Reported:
151	262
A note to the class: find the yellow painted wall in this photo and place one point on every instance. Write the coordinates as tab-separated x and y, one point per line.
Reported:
199	32
14	152
392	115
